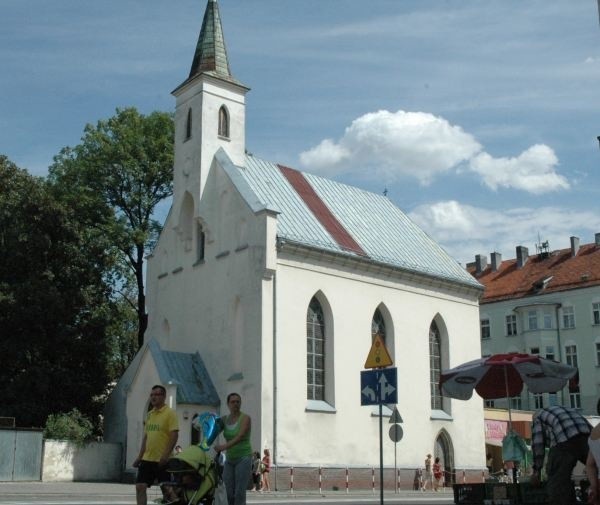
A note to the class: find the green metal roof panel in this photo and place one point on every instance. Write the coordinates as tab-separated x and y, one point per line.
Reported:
211	54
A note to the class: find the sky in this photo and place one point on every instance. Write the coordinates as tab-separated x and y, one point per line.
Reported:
479	119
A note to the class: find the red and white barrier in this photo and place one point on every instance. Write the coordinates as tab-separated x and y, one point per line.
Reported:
320	480
373	478
347	480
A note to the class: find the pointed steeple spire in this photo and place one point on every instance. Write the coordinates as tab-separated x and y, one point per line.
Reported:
211	54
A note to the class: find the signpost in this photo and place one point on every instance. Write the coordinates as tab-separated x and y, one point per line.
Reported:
396	435
379	386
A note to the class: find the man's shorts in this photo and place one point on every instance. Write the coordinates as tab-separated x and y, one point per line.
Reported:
149	472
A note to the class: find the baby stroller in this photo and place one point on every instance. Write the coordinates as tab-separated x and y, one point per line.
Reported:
194	478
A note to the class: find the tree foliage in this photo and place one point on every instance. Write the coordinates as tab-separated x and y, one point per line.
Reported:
116	176
73	426
55	305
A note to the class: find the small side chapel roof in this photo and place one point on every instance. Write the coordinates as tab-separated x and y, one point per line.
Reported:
188	372
329	215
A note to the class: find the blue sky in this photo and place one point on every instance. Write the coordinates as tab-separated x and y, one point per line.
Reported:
479	118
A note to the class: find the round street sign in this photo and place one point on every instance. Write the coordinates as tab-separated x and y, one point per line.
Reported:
396	432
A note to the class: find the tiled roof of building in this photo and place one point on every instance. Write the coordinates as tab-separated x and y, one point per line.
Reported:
328	215
542	273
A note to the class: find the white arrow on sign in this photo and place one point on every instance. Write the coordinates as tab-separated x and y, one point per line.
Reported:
385	387
369	393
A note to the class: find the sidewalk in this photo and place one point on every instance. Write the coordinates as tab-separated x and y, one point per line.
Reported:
54	490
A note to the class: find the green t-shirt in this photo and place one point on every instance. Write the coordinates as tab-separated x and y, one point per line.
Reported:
243	447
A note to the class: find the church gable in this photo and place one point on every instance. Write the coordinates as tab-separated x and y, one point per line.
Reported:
232	212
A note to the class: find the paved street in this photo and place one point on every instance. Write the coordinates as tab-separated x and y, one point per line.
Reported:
86	493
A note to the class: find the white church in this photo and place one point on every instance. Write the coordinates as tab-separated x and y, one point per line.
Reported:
272	282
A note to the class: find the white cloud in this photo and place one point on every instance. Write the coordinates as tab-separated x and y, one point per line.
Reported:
325	157
465	230
393	145
534	171
396	145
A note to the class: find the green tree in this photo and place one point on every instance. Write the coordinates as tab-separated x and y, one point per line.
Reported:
73	426
116	177
55	304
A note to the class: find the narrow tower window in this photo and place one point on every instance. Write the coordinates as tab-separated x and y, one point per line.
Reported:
223	122
200	242
188	125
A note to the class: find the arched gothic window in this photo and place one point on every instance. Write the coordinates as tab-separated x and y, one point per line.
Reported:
315	354
435	366
188	125
223	122
378	325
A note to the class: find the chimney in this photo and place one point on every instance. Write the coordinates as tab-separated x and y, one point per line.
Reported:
496	261
480	263
574	246
522	255
597	238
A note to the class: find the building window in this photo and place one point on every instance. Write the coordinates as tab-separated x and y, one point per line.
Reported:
435	366
575	400
552	399
223	122
511	325
315	355
547	320
597	354
538	401
488	404
568	317
534	350
571	355
188	125
378	325
485	329
532	320
200	242
515	403
596	312
550	352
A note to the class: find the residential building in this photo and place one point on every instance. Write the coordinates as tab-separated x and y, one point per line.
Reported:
547	304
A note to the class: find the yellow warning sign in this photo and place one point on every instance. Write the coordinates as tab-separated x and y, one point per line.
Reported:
378	355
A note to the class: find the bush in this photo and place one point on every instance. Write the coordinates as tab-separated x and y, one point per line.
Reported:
73	426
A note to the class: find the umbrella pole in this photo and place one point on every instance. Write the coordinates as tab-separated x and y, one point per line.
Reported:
507	398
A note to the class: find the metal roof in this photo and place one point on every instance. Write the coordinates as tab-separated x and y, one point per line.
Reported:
188	372
211	53
381	229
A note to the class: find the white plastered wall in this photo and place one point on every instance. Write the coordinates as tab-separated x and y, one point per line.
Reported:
351	434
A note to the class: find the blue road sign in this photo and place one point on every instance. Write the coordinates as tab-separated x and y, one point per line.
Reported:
379	386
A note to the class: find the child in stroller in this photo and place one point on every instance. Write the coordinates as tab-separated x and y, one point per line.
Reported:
194	478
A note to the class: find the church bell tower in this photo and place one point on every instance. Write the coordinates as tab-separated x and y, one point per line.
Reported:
209	111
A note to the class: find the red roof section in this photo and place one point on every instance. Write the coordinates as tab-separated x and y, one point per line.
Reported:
541	274
320	210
